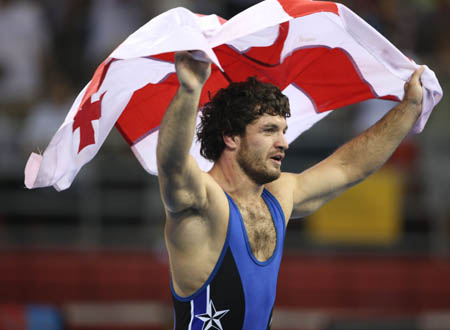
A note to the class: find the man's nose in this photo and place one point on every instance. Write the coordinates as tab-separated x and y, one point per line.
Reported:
282	142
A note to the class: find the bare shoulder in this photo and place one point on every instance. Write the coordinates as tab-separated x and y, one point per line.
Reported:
304	193
283	190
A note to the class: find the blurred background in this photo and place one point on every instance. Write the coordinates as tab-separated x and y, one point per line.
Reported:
93	257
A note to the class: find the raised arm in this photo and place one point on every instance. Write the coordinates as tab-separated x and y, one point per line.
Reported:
178	174
360	157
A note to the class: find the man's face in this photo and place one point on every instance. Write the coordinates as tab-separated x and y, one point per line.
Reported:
262	148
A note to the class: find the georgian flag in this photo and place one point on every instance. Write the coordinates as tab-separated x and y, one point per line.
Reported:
320	54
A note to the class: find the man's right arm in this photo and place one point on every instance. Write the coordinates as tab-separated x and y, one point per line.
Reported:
360	157
180	179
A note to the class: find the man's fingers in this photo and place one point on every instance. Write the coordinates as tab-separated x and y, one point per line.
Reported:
417	74
197	55
413	88
200	56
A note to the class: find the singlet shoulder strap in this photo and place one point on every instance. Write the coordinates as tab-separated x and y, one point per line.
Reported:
274	205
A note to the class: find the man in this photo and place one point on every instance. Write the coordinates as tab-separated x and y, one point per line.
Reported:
225	228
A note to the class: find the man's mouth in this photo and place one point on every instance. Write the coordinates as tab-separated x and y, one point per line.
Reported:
277	158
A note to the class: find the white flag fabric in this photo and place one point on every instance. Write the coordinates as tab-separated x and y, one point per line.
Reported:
320	54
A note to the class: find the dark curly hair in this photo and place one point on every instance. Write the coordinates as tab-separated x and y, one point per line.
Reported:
233	108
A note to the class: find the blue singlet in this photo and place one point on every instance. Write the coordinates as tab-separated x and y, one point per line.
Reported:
240	292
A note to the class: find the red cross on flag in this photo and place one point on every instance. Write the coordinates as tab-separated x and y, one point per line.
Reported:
88	112
320	54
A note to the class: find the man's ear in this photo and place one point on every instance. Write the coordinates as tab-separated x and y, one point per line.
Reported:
231	141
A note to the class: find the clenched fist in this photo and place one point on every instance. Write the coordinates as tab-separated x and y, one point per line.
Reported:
191	73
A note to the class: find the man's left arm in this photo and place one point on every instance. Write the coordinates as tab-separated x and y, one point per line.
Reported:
360	157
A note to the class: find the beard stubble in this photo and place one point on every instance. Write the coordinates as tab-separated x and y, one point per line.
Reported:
254	165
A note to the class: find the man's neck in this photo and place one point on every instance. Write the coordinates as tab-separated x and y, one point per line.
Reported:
233	180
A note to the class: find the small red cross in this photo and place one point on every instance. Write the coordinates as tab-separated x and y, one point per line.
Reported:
83	120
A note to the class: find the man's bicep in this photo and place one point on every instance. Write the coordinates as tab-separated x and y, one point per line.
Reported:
184	188
317	185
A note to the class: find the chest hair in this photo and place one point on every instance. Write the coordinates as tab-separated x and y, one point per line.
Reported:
260	229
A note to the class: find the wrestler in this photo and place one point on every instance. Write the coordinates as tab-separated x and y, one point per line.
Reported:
225	228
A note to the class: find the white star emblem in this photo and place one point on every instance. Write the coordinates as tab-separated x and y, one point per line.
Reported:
212	317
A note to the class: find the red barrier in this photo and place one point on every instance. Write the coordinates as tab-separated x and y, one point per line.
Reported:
12	316
393	284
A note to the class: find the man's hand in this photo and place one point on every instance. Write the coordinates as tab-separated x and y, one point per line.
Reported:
413	89
191	73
